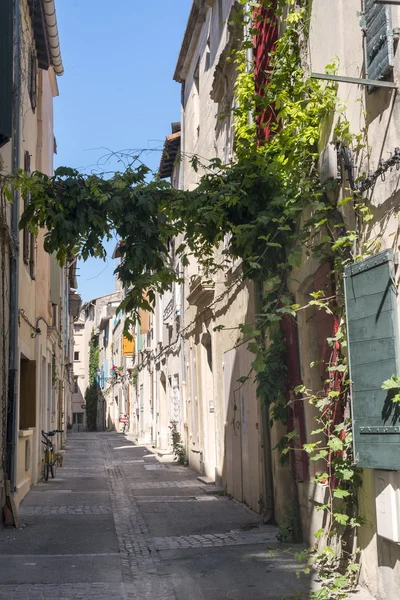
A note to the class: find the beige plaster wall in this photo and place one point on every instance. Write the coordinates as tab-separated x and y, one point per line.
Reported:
335	33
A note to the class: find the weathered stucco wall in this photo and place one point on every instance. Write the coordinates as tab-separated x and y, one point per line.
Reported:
335	33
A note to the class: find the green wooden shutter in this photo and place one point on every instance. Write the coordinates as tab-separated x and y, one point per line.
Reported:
6	70
379	40
371	305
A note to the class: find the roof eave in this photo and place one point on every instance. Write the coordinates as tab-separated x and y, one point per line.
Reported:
190	39
170	152
52	33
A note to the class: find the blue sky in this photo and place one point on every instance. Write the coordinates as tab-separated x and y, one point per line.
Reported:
117	91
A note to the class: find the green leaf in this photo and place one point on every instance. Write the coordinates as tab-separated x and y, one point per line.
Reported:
335	444
392	383
344	201
339	493
319	455
318	431
300	389
310	448
340	582
341	518
258	364
344	473
318	534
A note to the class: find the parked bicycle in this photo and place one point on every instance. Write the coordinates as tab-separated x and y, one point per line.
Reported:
49	458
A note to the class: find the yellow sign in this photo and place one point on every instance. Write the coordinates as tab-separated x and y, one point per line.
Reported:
128	346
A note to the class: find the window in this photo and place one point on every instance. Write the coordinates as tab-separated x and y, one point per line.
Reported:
196	76
32	79
76	355
54	315
75	387
196	100
207	63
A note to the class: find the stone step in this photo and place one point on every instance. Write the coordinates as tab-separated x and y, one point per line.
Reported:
206	480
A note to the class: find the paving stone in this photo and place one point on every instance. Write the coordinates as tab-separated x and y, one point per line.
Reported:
144	567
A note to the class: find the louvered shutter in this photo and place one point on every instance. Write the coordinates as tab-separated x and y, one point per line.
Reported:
373	341
379	40
6	70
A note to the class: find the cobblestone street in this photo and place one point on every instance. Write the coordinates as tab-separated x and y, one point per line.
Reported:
118	524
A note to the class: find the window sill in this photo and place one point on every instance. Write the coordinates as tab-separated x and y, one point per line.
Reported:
25	432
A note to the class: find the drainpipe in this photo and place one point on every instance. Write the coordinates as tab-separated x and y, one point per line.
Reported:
182	274
249	55
267	446
123	407
12	412
155	395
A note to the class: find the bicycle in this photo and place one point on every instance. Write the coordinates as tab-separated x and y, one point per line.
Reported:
49	462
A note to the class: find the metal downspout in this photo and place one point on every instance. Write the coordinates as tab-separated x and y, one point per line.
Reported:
12	413
182	274
268	472
249	55
267	446
154	374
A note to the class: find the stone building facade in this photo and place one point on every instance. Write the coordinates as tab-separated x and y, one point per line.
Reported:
38	297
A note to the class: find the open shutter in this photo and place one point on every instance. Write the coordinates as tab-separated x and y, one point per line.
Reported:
371	304
379	40
6	70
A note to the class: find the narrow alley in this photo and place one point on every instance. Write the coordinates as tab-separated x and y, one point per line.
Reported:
116	523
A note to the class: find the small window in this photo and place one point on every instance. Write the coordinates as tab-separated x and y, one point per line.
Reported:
196	76
196	100
54	315
75	388
76	355
207	63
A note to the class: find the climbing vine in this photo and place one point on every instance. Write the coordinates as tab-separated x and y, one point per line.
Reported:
276	214
92	391
178	446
